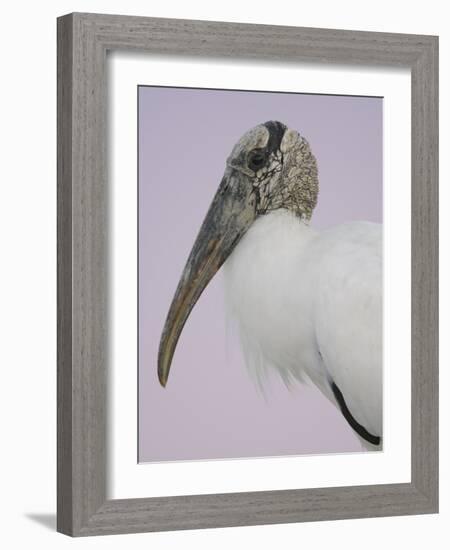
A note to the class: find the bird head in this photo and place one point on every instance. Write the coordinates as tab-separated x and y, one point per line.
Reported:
270	167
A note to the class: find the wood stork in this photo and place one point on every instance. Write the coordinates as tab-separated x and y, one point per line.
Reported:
307	303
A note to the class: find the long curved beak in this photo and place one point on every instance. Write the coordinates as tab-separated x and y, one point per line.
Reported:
228	218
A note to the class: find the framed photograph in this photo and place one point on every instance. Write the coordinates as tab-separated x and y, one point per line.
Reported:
247	274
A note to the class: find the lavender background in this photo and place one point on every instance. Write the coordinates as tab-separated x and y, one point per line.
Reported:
211	408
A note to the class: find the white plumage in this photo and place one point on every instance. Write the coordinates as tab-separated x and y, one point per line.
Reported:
309	304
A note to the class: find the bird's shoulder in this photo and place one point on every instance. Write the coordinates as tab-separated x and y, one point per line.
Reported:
357	234
348	254
347	314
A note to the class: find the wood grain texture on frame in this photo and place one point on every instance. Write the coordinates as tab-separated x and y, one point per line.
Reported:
83	40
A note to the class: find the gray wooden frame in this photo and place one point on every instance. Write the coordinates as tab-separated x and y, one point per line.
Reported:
83	40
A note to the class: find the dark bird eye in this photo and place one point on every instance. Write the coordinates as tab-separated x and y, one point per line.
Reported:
256	160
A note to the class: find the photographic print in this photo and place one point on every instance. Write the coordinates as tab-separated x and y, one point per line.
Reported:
260	274
240	263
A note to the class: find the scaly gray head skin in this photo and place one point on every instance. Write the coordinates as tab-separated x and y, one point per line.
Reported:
270	167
